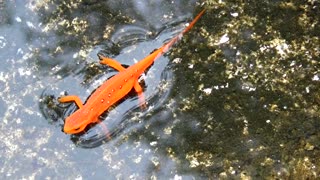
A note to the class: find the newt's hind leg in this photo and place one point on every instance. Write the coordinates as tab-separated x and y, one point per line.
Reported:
105	129
111	62
142	101
75	99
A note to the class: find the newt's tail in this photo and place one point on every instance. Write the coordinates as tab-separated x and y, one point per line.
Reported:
193	21
146	62
166	47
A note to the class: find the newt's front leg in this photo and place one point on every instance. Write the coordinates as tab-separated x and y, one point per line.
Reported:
111	62
75	99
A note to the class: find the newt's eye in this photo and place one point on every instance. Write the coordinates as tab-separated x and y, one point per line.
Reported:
79	129
76	130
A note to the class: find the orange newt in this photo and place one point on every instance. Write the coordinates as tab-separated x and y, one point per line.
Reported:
114	89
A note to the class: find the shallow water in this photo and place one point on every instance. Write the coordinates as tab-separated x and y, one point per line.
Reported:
47	51
237	97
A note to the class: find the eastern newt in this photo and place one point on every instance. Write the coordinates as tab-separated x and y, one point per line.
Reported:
114	89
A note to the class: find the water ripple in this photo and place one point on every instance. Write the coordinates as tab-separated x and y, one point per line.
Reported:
134	43
129	35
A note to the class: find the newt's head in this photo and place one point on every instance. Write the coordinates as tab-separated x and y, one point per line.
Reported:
77	122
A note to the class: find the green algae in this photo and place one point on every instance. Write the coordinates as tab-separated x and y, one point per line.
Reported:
250	79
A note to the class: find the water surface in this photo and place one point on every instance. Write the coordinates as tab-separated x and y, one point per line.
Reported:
237	97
